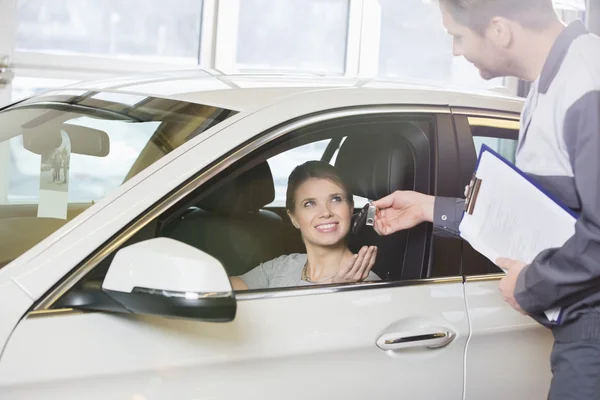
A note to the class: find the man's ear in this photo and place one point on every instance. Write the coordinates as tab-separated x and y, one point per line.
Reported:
294	222
500	32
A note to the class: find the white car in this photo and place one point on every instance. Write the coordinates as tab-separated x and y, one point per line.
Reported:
115	271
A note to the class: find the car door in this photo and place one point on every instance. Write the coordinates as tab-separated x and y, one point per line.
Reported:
508	354
385	340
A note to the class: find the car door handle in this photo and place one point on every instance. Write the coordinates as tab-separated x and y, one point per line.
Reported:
432	338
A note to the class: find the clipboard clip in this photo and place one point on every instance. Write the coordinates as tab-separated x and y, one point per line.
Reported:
472	193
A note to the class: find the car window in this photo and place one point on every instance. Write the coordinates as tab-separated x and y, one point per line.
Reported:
359	201
228	217
505	147
501	135
63	151
88	178
234	224
282	165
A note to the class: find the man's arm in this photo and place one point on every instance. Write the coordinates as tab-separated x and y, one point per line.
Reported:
447	214
557	277
405	209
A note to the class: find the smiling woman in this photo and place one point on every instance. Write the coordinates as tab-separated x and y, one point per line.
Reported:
320	205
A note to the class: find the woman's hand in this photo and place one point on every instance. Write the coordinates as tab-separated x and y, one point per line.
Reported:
357	268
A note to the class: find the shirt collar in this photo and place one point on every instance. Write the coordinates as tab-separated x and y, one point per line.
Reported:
558	53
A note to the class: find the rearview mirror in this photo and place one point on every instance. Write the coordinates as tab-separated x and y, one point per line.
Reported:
84	140
172	279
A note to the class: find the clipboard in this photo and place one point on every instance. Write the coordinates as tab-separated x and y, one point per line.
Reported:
472	193
475	183
509	214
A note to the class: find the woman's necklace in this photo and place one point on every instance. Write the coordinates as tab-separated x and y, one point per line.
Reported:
306	278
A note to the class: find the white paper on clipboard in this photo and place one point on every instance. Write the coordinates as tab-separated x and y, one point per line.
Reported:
512	217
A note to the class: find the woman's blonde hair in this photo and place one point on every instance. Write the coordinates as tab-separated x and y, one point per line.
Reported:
313	169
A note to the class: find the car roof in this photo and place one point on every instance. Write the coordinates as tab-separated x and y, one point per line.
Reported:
245	92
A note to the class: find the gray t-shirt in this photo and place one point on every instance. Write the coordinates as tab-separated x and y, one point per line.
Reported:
284	271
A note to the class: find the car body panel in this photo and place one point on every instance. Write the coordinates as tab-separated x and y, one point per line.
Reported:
508	354
289	347
15	302
251	92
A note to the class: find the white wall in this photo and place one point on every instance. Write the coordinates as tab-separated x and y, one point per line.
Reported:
7	30
56	42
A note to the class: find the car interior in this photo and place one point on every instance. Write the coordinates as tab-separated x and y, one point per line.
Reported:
228	217
233	225
179	122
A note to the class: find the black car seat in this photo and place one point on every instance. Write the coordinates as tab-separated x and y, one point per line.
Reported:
231	225
374	165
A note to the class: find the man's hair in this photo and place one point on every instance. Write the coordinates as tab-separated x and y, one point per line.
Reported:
476	14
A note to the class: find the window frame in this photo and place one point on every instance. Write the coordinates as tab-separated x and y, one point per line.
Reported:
474	265
443	181
274	204
445	256
424	182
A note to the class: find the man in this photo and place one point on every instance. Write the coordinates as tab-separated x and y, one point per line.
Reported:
559	145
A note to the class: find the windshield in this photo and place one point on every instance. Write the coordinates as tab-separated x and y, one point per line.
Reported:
62	152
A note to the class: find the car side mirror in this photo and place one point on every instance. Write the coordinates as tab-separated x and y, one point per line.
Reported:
169	278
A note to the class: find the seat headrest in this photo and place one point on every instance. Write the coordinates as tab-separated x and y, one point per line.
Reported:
376	164
248	192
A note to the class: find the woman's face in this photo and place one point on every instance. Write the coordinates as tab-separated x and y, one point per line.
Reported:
322	212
